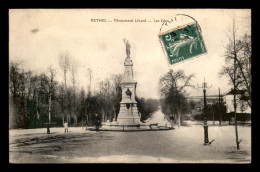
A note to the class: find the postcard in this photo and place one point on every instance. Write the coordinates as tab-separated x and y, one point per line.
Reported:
130	86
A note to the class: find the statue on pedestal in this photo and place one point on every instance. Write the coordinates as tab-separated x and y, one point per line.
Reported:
128	112
127	47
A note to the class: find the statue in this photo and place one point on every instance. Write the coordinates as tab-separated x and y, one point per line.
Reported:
128	92
127	47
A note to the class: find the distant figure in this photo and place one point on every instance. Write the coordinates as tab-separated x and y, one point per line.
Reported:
66	127
97	125
172	119
97	122
165	121
48	129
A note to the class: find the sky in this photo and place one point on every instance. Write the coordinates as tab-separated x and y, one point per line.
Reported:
38	36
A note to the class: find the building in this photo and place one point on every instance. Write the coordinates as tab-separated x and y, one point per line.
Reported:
242	106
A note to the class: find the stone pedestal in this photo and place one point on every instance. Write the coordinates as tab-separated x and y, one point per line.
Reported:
128	114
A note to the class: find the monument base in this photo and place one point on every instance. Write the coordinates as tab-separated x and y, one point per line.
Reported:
128	120
115	126
128	115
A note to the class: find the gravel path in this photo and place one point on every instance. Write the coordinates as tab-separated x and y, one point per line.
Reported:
181	145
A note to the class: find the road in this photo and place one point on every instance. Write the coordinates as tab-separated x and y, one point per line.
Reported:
181	145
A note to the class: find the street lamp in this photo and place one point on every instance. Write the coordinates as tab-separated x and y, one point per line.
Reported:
206	139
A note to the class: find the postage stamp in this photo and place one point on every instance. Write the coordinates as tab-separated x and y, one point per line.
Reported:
182	43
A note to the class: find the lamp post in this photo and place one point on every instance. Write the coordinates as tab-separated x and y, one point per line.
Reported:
206	139
219	110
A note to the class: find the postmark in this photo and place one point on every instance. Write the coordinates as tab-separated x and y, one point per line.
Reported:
182	43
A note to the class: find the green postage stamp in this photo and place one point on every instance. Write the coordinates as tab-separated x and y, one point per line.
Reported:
182	43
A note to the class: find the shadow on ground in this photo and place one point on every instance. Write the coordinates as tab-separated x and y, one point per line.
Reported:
54	142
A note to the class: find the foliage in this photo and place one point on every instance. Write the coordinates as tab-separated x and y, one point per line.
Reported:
36	99
172	89
240	72
146	107
216	110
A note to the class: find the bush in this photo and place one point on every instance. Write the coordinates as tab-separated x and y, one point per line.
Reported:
198	117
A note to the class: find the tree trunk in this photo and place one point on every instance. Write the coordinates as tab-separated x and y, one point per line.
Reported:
103	115
50	108
237	142
68	119
75	120
82	122
63	118
179	118
235	105
65	79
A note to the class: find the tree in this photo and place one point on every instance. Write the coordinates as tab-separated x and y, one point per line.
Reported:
51	88
92	105
61	101
14	79
117	93
192	104
64	62
90	78
146	107
237	68
47	92
106	98
68	104
32	101
74	69
17	87
238	64
82	107
172	88
110	97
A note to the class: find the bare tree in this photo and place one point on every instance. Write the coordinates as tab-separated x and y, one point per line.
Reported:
238	63
116	93
69	103
105	96
237	68
14	81
82	107
51	87
172	87
64	62
35	89
48	85
73	70
17	85
29	78
90	78
61	97
116	80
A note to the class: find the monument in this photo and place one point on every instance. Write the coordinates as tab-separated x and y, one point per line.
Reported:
128	118
128	114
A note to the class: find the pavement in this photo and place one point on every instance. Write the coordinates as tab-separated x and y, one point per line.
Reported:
181	145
